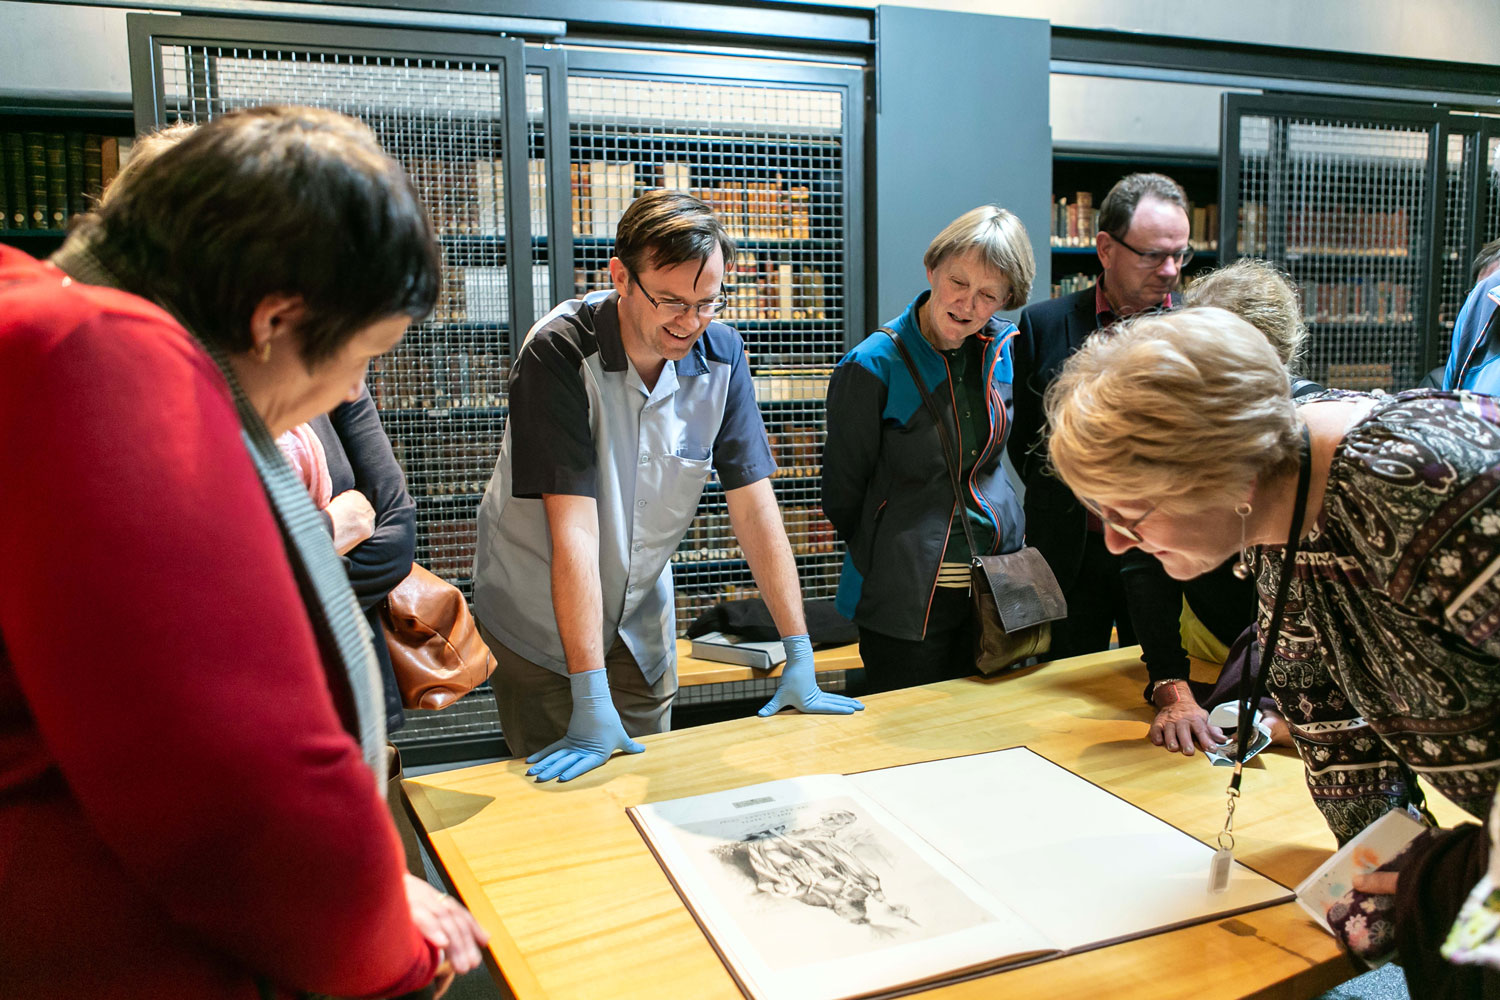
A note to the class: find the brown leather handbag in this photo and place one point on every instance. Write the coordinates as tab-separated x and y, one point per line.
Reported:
436	651
1016	596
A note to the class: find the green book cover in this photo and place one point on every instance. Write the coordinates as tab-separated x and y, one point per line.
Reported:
15	177
57	181
77	205
37	213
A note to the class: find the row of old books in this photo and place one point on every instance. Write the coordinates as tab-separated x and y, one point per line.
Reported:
798	450
1070	283
1356	300
440	379
1075	223
760	288
467	197
758	210
444	463
1335	231
710	538
481	294
46	178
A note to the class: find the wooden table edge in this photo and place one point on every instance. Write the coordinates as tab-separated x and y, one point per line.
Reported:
508	967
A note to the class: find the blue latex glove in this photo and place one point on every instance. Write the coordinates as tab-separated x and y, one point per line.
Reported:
799	686
594	732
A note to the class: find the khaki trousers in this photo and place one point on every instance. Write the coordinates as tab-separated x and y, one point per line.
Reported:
535	704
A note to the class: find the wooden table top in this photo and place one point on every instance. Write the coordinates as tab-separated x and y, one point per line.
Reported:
578	908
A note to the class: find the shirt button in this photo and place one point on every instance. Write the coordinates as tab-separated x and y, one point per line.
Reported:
645	459
637	547
973	451
640	503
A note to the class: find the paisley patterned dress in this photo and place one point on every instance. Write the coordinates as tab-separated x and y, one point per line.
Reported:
1389	659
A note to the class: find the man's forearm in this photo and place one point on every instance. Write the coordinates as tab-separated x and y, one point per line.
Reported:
576	592
758	528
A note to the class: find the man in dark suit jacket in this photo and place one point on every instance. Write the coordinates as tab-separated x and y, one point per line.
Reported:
1143	246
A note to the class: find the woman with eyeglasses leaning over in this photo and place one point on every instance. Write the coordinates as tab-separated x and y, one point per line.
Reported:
1386	665
885	481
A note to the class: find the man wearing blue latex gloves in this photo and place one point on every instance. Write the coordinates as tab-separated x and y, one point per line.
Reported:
621	405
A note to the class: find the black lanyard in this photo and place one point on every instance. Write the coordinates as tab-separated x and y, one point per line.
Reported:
1252	683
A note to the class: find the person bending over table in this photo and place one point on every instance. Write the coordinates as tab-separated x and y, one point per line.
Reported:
886	486
621	405
1182	431
191	725
1209	611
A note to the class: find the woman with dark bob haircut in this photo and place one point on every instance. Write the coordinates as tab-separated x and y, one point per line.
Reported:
191	728
1182	430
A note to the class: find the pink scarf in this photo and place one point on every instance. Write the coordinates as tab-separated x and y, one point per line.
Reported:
302	448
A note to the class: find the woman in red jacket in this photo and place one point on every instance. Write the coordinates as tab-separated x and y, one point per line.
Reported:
183	811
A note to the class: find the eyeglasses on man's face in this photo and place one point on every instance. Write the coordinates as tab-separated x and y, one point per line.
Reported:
1152	259
676	308
1126	529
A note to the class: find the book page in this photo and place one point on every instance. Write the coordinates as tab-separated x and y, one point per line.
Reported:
810	891
1081	865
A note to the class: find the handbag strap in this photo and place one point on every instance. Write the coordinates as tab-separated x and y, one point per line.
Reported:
947	447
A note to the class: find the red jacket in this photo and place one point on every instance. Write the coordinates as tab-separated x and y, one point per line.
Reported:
180	810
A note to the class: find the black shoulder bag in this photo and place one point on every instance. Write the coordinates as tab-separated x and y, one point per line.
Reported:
1016	597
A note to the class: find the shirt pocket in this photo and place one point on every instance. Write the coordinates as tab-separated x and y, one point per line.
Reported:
678	489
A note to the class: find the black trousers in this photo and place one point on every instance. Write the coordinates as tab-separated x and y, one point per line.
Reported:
1096	604
947	651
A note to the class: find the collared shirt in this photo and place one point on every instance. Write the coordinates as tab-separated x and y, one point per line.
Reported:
1105	315
583	423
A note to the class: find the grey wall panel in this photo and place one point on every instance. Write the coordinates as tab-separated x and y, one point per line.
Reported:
962	120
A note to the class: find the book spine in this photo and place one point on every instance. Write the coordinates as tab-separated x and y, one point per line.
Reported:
37	212
77	185
15	178
57	180
93	169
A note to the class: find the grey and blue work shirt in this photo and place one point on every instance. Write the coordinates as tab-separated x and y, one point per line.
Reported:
583	423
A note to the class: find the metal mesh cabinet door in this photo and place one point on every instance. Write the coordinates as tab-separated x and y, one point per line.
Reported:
771	147
1345	197
449	108
1490	189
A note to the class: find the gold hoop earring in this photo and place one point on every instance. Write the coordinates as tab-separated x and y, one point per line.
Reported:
263	352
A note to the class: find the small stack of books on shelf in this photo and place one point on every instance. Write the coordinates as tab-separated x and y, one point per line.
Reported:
1075	221
46	178
764	209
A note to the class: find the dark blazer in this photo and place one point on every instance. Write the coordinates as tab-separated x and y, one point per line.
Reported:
1049	334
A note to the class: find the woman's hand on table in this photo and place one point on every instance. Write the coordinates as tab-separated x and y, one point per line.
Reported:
1182	722
445	924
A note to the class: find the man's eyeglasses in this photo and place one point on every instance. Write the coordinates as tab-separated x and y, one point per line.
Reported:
1156	258
676	308
1113	522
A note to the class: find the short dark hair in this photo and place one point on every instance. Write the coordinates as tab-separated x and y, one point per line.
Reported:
1120	204
265	201
1488	255
664	228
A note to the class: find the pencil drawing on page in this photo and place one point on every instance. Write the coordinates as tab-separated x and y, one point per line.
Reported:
823	880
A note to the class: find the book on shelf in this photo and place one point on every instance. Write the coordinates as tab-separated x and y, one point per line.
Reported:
721	648
489	193
790	385
830	887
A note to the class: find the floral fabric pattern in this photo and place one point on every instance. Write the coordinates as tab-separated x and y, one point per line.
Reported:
1389	658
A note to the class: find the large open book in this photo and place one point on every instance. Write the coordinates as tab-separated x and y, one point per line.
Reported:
836	886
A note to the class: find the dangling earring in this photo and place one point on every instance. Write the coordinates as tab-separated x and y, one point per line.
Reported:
1244	568
263	352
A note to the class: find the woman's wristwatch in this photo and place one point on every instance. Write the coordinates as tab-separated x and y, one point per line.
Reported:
1166	692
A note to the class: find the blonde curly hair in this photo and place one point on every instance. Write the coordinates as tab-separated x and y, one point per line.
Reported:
1261	295
1186	410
